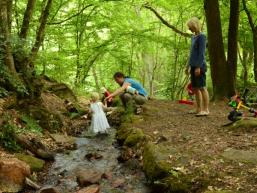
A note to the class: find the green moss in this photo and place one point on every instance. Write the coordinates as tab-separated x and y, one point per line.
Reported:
122	134
34	163
153	165
134	137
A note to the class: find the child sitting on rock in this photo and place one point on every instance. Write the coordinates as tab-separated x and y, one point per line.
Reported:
99	122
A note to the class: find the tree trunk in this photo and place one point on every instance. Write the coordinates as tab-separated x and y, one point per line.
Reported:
26	19
5	32
40	32
232	41
219	71
97	85
255	53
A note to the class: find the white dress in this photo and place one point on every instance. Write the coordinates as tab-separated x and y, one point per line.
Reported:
99	123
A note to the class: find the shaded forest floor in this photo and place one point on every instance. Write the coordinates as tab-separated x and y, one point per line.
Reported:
228	158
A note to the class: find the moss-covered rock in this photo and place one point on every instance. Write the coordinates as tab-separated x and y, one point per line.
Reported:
34	163
122	134
155	164
134	137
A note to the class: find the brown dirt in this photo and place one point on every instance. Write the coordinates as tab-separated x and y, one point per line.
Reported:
204	139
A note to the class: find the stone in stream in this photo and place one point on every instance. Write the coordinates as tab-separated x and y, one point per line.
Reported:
241	155
93	156
90	189
86	178
13	173
48	190
118	183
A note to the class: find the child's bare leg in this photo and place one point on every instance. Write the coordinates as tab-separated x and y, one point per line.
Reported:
206	99
198	97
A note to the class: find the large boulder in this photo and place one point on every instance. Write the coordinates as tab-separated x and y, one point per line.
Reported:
13	173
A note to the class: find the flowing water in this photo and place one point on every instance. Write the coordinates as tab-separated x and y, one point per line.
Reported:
62	174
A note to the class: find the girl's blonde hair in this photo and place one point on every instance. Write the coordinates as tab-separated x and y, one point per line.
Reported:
95	96
195	23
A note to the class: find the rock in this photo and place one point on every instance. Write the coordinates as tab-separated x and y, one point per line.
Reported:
126	154
161	172
118	183
48	190
90	189
241	156
13	173
62	139
93	156
245	124
107	175
134	137
34	163
86	178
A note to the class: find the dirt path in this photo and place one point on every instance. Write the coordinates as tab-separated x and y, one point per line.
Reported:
228	158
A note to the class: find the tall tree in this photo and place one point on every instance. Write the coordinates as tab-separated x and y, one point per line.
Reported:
5	32
254	36
232	39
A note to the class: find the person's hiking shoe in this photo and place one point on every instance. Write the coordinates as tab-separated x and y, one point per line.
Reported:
202	114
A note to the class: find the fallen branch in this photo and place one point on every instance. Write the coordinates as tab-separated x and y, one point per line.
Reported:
32	184
35	146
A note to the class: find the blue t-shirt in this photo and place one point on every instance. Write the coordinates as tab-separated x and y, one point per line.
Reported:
197	53
136	85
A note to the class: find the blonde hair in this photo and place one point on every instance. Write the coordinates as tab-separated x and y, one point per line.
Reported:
95	96
195	23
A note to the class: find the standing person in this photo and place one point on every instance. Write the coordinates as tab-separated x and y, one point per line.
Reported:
99	123
138	95
197	67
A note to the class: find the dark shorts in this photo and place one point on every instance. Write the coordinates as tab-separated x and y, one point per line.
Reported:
198	81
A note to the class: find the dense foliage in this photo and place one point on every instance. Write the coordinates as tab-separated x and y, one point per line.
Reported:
85	42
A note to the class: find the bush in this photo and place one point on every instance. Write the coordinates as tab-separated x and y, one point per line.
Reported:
7	140
31	124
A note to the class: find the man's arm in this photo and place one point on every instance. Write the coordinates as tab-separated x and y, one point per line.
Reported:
119	91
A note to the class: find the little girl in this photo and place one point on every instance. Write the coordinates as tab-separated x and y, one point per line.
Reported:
99	123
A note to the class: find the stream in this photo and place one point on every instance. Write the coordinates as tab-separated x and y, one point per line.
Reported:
62	173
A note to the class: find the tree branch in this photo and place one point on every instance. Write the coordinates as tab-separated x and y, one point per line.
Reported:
40	31
72	16
27	18
250	19
166	22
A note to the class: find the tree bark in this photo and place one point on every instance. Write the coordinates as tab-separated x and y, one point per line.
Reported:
26	19
40	32
5	32
219	71
254	31
232	40
255	53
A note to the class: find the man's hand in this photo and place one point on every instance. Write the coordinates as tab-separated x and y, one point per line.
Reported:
197	72
107	98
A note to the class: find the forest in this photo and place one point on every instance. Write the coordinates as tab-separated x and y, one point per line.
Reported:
55	54
82	43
